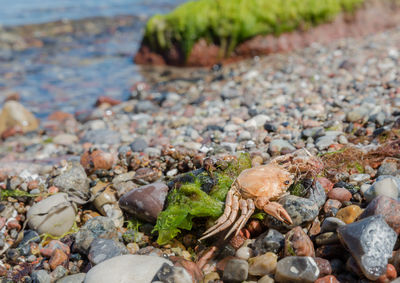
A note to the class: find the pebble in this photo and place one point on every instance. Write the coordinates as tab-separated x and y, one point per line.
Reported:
145	202
236	271
75	278
327	279
126	268
49	249
331	224
103	249
324	266
349	213
58	258
266	279
327	238
96	159
138	145
385	187
331	207
340	194
41	276
387	207
14	114
387	168
318	194
244	253
101	136
371	242
276	146
173	274
297	243
294	269
263	264
97	227
270	241
54	215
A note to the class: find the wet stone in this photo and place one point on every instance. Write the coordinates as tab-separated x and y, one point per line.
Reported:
97	227
330	224
263	264
371	242
236	271
270	241
296	269
297	243
301	210
103	249
145	202
387	207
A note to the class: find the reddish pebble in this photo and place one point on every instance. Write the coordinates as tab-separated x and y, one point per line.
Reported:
58	258
54	245
53	190
328	185
60	116
97	159
191	268
14	224
390	275
33	184
331	207
255	228
327	279
340	194
298	243
108	100
222	263
16	130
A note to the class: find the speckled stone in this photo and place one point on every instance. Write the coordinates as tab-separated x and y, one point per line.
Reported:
295	269
236	271
103	249
298	243
270	241
371	242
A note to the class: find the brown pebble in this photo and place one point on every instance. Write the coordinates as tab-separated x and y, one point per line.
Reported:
255	228
331	207
13	224
97	159
340	194
390	275
33	184
191	267
327	279
324	266
297	243
349	214
58	258
237	241
326	184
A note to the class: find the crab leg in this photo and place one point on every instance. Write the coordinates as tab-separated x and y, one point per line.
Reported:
227	211
220	226
276	210
247	209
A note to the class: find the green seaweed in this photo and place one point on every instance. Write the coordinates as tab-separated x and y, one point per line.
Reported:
230	22
16	193
187	201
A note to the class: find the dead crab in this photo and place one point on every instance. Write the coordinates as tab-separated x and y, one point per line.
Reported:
260	187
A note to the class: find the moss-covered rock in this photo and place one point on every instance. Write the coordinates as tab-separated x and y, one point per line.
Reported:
188	199
230	22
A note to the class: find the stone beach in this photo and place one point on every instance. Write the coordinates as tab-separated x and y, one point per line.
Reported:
81	194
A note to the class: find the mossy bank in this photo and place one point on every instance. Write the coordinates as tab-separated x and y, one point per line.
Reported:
222	27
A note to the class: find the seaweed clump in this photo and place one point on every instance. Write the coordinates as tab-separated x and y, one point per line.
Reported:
187	200
230	22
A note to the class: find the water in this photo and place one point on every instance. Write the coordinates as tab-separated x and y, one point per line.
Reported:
68	73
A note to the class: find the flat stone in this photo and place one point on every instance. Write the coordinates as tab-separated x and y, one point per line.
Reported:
101	136
54	215
236	271
387	207
97	227
103	249
371	242
294	269
14	114
126	268
145	202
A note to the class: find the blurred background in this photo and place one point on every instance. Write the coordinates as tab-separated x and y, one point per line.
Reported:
62	55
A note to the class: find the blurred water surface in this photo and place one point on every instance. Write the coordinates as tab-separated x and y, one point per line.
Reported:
69	72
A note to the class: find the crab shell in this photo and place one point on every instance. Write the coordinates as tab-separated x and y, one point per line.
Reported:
269	181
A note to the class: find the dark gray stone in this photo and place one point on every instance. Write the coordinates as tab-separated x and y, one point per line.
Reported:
138	145
236	271
317	194
97	227
173	274
270	241
371	242
103	249
294	269
331	224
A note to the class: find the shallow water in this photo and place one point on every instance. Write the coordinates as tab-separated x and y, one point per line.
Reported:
70	73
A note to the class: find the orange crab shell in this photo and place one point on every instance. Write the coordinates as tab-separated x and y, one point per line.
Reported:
269	181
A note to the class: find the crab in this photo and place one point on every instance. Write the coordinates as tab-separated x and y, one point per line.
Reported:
260	187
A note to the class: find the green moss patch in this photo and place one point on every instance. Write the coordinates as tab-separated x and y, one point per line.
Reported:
230	22
187	200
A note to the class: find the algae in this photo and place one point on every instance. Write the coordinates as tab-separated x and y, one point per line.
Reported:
187	200
230	22
17	193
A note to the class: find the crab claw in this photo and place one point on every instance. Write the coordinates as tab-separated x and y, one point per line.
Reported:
276	210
